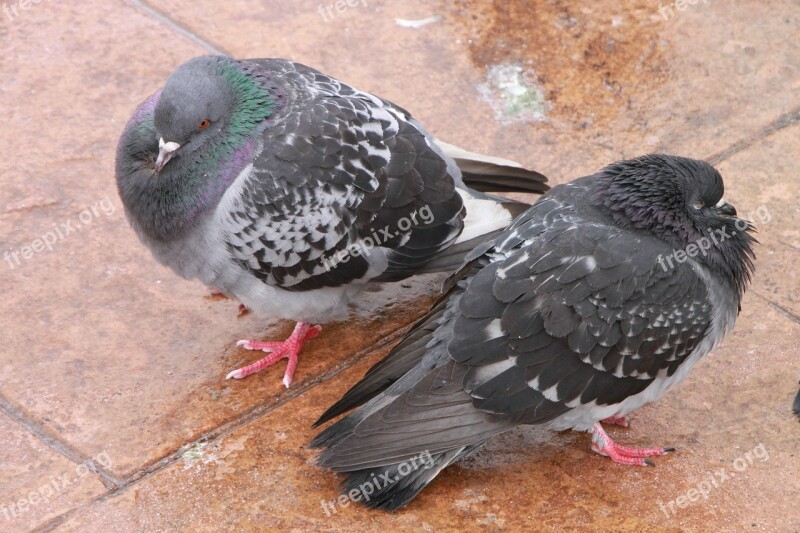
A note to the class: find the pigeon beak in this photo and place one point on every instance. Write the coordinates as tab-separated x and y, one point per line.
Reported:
165	152
725	208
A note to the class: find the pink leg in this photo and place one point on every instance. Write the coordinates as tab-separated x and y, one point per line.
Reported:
290	349
602	444
623	421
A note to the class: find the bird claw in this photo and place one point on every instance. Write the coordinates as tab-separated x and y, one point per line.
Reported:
604	445
235	374
289	349
216	294
258	345
623	421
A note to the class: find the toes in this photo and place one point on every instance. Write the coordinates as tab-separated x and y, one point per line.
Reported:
623	421
235	374
266	347
313	331
598	450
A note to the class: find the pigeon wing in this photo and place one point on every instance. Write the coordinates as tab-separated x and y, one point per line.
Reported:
583	313
344	172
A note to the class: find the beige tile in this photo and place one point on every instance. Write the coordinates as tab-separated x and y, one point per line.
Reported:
764	184
38	483
110	352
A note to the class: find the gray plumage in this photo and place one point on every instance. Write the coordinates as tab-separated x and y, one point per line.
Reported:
289	190
572	315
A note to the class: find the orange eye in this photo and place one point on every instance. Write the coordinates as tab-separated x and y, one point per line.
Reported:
206	123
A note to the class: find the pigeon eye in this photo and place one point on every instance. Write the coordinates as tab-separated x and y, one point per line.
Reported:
699	204
206	123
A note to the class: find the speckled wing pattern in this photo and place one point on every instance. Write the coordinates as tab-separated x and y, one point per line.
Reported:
553	317
341	167
570	312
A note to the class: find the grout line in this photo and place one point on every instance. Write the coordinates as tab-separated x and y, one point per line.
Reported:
178	27
783	121
55	444
782	310
779	308
260	410
227	428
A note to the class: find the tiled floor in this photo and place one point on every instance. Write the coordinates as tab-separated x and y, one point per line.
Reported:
109	360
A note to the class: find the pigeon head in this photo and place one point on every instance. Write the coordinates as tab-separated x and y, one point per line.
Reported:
186	144
206	102
680	201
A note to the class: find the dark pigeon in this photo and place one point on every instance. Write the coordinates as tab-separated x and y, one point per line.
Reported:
288	190
582	311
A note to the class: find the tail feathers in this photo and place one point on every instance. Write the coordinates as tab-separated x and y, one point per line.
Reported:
499	184
407	354
420	351
334	434
453	258
512	206
393	486
406	440
487	173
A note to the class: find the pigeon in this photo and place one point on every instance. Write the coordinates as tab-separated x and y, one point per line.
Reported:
290	191
595	301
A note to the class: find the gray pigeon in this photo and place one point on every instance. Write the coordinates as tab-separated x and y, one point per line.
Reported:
290	191
596	301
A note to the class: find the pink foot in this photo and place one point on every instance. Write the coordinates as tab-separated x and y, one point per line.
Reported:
216	294
290	349
602	444
623	421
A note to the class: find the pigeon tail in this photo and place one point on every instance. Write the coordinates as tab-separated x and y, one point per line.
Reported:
494	174
393	486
